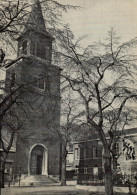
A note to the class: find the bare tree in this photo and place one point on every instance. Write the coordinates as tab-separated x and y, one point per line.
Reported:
8	99
14	14
9	121
13	109
14	17
104	76
11	125
69	127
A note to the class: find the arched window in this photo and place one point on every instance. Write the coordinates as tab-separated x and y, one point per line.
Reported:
40	50
24	47
12	80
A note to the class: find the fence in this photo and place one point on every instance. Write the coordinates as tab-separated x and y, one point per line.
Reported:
90	179
126	179
118	180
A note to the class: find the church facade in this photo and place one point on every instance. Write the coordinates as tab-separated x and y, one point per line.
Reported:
38	100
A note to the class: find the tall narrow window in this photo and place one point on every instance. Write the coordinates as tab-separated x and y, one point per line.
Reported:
114	163
76	170
24	47
47	52
95	172
76	153
40	50
85	152
116	149
85	170
33	48
95	151
12	80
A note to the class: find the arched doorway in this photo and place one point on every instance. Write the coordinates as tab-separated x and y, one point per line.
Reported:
38	160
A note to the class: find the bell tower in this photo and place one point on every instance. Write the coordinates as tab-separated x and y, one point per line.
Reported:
38	144
35	40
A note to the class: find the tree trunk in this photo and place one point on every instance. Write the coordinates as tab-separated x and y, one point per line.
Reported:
63	166
63	173
2	170
108	174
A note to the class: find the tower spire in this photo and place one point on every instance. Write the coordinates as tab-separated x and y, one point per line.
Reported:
36	19
35	40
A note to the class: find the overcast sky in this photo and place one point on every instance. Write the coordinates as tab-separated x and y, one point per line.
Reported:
97	16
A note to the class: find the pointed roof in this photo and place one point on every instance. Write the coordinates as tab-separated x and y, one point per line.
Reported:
35	20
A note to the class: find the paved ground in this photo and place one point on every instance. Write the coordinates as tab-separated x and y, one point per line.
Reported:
49	190
46	190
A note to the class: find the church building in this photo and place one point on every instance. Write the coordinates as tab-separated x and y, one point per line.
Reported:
38	100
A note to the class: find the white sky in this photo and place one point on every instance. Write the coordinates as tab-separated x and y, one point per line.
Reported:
97	16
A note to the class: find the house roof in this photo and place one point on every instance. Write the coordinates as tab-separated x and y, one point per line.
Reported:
132	133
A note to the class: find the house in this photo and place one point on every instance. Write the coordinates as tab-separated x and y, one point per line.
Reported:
37	143
88	157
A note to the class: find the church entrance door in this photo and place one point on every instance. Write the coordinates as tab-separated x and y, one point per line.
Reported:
38	161
39	164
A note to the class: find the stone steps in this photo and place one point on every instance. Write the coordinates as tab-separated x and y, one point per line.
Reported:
36	180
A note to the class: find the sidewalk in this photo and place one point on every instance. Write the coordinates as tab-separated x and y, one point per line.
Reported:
51	190
46	190
101	189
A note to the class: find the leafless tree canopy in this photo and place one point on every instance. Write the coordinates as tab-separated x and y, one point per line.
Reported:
14	17
104	76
